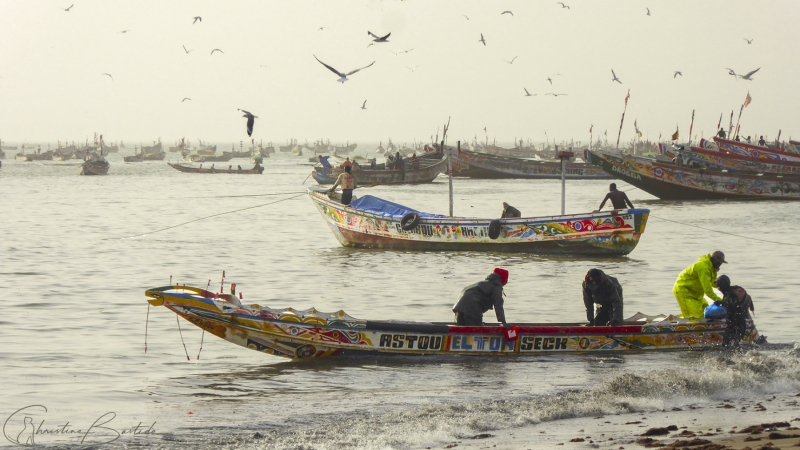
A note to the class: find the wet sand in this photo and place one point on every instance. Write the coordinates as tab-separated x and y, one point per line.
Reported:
768	424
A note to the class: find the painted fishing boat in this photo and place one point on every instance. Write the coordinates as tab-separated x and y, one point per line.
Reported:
364	176
301	334
256	170
371	222
754	151
721	159
28	157
96	165
142	156
669	181
479	165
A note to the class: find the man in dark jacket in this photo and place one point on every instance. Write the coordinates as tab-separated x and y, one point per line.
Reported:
618	199
738	304
509	212
480	297
606	293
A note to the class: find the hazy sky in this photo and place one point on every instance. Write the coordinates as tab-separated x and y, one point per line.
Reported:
51	61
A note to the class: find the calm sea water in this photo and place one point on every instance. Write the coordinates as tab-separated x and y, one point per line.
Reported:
73	315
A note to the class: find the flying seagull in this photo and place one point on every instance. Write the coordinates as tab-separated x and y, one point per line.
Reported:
749	41
109	76
506	12
364	106
749	74
615	77
554	95
124	31
379	39
70	7
677	72
409	68
563	5
648	10
528	94
321	28
187	51
404	51
186	98
217	50
250	119
731	72
482	39
342	76
550	80
465	16
512	60
196	18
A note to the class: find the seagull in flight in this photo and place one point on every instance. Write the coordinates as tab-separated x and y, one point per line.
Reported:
528	94
748	75
465	16
364	106
731	72
184	49
506	12
554	95
677	72
321	28
70	7
482	39
217	50
512	60
109	76
342	76
186	98
379	39
563	5
250	119
550	80
196	18
404	51
648	10
409	68
749	41
123	31
615	77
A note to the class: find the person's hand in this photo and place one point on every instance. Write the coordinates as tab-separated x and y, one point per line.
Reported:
506	326
596	210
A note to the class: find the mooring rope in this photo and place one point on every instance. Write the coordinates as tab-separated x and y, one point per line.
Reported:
207	217
177	319
146	323
725	232
201	344
250	195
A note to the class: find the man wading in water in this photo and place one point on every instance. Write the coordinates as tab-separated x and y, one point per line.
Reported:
347	182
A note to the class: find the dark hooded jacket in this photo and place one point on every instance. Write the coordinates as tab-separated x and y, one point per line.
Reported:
607	294
480	297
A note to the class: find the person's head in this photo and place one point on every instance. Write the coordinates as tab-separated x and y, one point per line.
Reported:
594	277
761	137
503	273
347	159
723	283
347	169
717	259
505	205
612	187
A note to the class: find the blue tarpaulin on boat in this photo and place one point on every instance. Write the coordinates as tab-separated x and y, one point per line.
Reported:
381	207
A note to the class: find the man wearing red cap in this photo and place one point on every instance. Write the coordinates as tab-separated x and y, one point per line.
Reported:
480	297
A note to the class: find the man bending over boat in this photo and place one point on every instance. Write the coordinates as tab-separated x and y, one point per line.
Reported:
480	297
696	282
509	212
738	304
347	182
605	292
618	198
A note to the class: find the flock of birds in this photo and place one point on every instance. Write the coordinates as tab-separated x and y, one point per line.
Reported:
383	39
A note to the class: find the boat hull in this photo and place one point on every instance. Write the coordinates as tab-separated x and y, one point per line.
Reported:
364	177
605	233
670	182
95	168
312	334
181	168
476	165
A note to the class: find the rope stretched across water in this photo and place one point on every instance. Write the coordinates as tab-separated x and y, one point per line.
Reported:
208	217
725	232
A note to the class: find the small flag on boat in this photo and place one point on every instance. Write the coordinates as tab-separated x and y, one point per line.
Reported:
675	135
638	133
233	289
590	128
747	99
627	97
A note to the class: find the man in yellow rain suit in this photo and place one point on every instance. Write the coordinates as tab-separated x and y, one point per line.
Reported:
695	281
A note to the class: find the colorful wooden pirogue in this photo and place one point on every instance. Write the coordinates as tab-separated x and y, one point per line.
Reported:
670	181
310	334
371	222
256	170
481	165
365	176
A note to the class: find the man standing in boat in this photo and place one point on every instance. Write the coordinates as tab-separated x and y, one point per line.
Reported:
696	282
480	297
347	182
605	292
618	198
